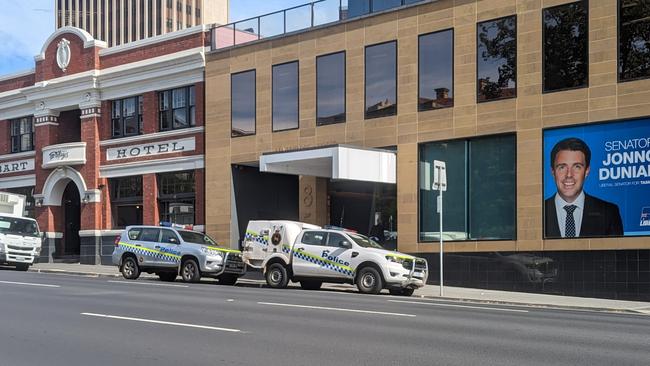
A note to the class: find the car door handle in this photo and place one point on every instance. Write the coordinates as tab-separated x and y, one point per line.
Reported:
138	245
354	254
157	247
300	249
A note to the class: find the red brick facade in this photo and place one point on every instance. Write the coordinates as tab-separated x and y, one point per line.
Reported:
62	131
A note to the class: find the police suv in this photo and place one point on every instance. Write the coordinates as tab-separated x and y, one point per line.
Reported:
166	251
311	255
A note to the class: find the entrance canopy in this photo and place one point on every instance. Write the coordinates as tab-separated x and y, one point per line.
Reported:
336	162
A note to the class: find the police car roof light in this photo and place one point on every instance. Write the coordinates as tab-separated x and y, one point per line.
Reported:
333	227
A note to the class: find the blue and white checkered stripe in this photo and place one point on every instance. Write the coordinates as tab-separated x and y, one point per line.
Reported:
327	265
259	239
152	253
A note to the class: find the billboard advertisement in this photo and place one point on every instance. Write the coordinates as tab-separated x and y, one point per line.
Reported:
597	180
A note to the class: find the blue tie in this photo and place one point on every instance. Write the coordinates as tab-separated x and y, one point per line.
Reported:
570	225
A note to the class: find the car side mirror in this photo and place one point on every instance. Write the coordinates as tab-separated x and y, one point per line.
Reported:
173	240
345	244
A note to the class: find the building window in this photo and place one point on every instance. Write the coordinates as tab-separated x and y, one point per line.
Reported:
22	134
565	42
381	80
479	203
177	108
496	59
126	116
436	70
285	96
330	89
126	200
176	197
634	40
243	101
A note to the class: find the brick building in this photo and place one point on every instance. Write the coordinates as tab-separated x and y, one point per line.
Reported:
101	137
488	86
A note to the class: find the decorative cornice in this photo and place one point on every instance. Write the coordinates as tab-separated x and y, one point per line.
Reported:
51	118
152	136
18	181
88	40
152	166
17	75
151	41
20	155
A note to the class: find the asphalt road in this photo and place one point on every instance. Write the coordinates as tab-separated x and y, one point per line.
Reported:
50	319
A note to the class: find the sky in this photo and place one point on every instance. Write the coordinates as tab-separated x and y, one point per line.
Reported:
26	24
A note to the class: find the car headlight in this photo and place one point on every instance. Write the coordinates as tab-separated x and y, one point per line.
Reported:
394	259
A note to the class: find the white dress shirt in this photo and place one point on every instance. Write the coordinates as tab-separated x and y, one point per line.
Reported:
577	214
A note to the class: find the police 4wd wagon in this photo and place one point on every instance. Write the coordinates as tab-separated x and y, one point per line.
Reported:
311	255
168	251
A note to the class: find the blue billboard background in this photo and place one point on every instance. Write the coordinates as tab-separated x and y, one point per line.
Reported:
620	167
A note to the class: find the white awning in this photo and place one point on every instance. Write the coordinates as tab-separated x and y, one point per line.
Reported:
336	162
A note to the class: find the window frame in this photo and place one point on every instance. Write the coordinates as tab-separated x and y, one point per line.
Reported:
139	115
365	79
273	130
618	48
345	88
19	121
478	101
453	68
169	112
467	190
587	62
254	103
163	199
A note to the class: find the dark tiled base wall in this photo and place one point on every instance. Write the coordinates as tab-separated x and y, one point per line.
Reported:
97	249
610	274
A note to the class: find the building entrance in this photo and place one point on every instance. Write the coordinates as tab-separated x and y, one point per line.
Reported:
368	208
71	203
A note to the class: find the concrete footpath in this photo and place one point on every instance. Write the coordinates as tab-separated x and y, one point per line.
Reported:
429	291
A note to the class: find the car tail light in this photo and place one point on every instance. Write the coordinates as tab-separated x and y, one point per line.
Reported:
117	240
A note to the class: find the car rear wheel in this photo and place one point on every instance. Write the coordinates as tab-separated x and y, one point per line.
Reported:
276	276
369	281
228	279
401	291
130	269
190	271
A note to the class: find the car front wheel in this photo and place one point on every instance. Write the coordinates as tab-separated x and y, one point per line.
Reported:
190	271
369	281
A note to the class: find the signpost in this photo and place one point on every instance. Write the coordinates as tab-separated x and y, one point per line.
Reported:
440	184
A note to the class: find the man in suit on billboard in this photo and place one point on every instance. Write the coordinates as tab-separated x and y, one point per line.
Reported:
571	212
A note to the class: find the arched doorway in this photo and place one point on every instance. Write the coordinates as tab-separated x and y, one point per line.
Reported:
71	202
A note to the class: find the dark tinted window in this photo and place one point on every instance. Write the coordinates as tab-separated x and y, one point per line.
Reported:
335	240
314	238
436	70
177	108
126	116
169	236
330	89
176	197
565	46
22	134
479	203
379	5
149	234
381	80
242	97
634	39
285	96
497	59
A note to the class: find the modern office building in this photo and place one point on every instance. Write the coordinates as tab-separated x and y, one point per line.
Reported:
101	137
122	21
342	121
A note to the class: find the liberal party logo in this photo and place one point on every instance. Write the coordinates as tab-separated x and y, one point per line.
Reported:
645	216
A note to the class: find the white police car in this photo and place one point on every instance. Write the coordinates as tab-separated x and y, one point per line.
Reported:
168	251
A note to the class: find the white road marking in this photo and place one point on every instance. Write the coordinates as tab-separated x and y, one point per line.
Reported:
162	322
28	284
336	309
458	306
148	284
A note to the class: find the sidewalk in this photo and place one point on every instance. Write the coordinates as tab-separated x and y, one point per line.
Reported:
429	291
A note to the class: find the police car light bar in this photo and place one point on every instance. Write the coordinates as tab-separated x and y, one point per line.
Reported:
176	226
332	227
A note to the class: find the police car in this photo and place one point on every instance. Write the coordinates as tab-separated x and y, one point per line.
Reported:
168	251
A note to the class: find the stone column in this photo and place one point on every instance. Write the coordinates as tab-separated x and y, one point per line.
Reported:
91	207
313	207
49	217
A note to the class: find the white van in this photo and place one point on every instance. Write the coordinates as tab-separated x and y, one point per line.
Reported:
20	238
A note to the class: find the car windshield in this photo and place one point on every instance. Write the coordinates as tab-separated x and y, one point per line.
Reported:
18	226
197	238
364	241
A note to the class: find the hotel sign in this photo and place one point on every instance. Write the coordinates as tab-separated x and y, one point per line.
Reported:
16	166
72	153
151	149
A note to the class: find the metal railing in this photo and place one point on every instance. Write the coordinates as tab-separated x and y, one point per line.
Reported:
298	18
